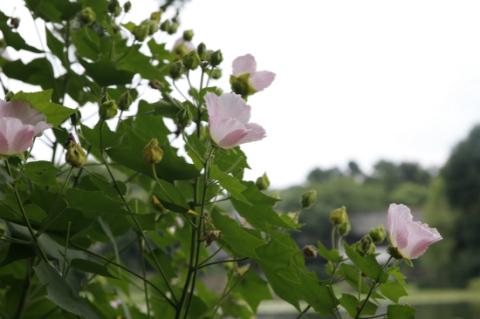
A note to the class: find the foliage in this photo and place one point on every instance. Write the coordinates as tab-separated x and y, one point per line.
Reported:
137	230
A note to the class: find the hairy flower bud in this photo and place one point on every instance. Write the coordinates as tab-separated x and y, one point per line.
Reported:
310	251
127	6
191	60
339	216
176	70
263	182
344	229
152	27
241	85
378	234
184	117
173	28
75	155
156	16
108	109
88	16
125	100
188	35
309	198
165	26
366	246
142	30
216	58
202	51
216	73
155	84
152	152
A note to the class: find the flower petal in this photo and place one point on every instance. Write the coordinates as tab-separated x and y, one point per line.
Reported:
16	136
233	138
420	237
398	218
262	79
244	64
254	133
229	105
24	112
220	128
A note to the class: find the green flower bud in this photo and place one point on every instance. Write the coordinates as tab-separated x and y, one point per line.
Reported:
127	6
366	246
216	58
309	198
216	73
191	60
152	152
114	8
75	155
142	31
14	22
157	204
152	27
156	16
202	51
125	100
188	35
108	109
76	117
310	251
339	216
173	28
176	70
165	26
344	229
378	234
241	85
263	182
88	16
184	117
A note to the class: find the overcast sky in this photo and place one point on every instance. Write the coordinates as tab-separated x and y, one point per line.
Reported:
359	80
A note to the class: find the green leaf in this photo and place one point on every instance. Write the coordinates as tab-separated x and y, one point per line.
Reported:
41	172
253	289
261	216
53	10
62	295
230	183
91	267
38	72
12	38
239	240
367	264
352	305
393	290
106	73
55	45
55	113
329	254
400	312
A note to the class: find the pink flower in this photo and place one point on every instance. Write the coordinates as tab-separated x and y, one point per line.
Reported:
246	65
228	119
19	124
182	47
409	237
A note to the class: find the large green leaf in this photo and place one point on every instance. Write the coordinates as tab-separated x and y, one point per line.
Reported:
367	264
62	295
55	113
37	72
53	10
41	172
253	289
12	38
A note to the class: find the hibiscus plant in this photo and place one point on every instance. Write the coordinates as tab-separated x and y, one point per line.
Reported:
143	210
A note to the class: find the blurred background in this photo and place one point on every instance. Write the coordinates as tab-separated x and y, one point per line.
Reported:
374	102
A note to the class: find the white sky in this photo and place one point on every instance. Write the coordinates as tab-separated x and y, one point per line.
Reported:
358	80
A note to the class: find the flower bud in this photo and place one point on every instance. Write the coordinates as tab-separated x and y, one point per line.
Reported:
241	85
127	6
216	73
344	229
378	234
188	35
152	152
165	26
114	8
75	155
142	31
176	70
152	27
309	198
156	16
14	22
173	28
263	182
310	251
191	60
108	109
125	100
157	204
184	117
216	58
202	51
339	216
88	16
211	236
366	246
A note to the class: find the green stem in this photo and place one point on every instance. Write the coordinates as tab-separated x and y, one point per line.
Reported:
26	288
24	214
304	311
141	245
203	265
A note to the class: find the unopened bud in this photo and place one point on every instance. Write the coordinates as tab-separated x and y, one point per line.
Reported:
339	216
188	35
125	100
127	6
241	85
216	58
156	16
108	109
310	251
142	31
75	155
176	70
184	117
211	236
344	229
378	234
165	26
366	246
173	28
155	84
152	152
152	27
216	73
263	182
309	198
191	60
202	51
157	204
88	16
14	22
114	8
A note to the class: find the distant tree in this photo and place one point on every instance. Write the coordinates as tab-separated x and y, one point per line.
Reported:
319	175
354	169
